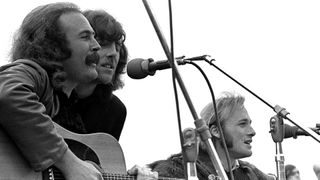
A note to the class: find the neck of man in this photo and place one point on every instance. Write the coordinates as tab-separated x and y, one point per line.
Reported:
223	158
67	87
85	90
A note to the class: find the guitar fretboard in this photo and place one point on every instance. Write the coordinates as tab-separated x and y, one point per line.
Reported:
57	175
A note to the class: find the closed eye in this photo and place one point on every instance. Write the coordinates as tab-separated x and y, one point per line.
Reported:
244	122
87	35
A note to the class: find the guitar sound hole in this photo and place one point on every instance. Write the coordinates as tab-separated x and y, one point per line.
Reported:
82	151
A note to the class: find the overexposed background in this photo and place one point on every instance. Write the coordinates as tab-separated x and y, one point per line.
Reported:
272	47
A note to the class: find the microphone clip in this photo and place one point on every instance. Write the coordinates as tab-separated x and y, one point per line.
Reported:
190	151
277	128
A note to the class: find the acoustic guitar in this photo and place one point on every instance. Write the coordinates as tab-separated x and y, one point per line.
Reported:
101	148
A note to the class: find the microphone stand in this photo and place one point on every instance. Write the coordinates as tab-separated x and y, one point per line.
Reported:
190	148
200	124
279	110
277	133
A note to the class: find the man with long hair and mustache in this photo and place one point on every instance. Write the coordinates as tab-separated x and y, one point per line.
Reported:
92	106
53	52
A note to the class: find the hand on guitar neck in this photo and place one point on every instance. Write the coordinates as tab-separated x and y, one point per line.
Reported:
142	173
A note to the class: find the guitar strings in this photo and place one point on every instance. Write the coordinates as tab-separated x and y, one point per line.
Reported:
59	176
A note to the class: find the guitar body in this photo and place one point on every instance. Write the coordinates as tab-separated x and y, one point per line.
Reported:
100	148
12	165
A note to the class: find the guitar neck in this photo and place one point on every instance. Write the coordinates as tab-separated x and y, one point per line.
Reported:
57	175
108	176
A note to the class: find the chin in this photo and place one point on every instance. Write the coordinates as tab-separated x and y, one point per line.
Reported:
90	77
243	154
105	79
247	154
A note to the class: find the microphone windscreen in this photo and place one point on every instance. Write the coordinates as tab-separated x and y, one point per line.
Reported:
134	69
290	131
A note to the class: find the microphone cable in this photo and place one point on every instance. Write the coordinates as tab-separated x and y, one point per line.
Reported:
281	111
216	115
176	91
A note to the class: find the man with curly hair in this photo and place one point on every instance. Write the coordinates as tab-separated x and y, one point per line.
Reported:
53	51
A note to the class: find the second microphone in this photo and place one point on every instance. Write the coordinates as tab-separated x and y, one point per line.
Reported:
140	68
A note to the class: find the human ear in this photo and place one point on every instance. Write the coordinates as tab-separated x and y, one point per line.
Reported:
215	131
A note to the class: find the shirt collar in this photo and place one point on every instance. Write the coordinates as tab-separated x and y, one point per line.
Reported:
235	166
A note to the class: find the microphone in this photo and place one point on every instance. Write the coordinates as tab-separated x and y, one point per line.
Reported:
140	68
294	131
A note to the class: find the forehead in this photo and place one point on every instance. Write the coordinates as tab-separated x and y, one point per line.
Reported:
74	23
239	113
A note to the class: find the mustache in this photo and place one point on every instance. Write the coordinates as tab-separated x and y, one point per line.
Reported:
92	58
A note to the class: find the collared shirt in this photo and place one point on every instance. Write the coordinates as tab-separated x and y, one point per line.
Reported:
235	165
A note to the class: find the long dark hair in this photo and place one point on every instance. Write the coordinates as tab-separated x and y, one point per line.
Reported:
108	30
41	39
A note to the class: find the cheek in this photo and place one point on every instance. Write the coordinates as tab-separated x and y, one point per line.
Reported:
229	139
80	48
101	60
101	54
116	62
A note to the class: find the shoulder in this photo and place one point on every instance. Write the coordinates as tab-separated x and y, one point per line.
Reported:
26	81
28	65
117	101
25	68
26	73
257	172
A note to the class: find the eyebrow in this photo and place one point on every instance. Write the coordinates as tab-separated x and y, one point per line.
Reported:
87	32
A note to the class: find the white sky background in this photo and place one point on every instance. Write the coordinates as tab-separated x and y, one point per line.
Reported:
272	47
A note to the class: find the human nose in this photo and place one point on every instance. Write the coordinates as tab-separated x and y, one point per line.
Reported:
252	132
95	46
112	50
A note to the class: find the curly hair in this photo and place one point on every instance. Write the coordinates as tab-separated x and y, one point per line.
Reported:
41	39
109	30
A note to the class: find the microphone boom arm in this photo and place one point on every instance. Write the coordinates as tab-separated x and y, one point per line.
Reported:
200	124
